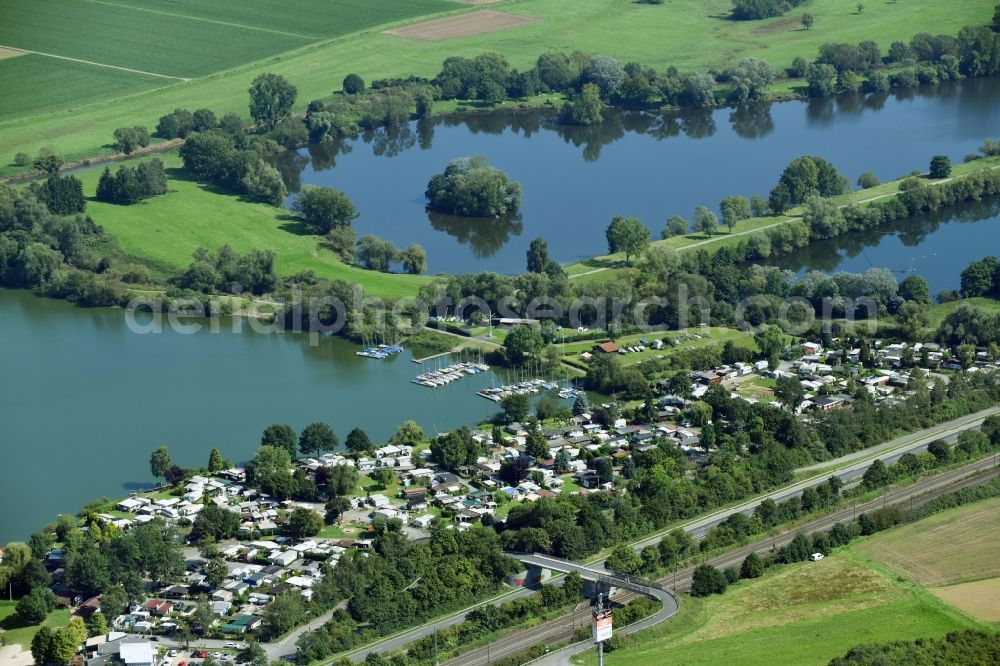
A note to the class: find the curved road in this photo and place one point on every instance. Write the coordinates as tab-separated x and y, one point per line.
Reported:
562	629
848	468
636	586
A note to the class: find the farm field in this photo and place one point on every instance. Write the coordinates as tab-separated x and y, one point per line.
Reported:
978	598
806	613
48	83
120	35
691	34
951	547
169	228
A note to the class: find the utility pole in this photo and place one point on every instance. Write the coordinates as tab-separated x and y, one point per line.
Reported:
600	644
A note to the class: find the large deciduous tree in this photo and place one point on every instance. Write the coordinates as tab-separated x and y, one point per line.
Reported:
316	438
324	208
271	99
627	235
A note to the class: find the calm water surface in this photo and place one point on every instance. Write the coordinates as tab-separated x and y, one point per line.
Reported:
576	179
83	400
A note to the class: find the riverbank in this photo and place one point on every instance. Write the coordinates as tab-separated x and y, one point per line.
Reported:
606	267
692	35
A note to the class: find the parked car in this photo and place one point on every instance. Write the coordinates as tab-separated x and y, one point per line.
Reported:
230	644
172	653
816	557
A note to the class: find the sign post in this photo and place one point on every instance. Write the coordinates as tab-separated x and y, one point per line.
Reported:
601	625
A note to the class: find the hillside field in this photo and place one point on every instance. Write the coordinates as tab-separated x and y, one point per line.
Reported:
805	613
947	548
316	48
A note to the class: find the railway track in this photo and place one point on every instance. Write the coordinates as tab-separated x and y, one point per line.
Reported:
562	629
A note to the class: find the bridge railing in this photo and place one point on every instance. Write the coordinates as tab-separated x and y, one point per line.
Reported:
614	579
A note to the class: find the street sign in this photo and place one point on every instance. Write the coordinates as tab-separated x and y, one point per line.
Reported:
601	626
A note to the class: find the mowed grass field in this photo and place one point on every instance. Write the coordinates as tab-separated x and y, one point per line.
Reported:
953	552
950	547
16	633
805	613
691	34
168	229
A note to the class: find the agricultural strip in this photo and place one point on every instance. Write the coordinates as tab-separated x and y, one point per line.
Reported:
316	19
35	84
691	34
170	45
950	547
980	599
465	25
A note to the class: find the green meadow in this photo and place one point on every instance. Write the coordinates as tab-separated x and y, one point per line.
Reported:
167	229
691	34
805	613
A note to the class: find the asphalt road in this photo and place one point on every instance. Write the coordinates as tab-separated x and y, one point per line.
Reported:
562	629
855	465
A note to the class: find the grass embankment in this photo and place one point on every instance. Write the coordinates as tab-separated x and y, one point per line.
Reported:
606	267
806	613
167	229
690	34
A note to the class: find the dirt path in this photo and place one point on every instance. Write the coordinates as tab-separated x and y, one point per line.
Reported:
748	232
100	64
12	655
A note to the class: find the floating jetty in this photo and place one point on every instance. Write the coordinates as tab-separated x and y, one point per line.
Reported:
498	393
380	352
529	387
452	373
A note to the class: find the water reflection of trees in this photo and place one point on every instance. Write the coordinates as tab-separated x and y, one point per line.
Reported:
390	141
752	121
485	235
912	232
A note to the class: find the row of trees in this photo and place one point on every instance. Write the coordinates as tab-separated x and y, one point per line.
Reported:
968	646
925	59
236	162
750	10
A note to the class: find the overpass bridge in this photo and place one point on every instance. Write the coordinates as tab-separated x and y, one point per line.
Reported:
601	582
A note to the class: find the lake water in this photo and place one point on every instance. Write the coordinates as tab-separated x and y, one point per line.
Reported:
576	179
83	400
937	246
